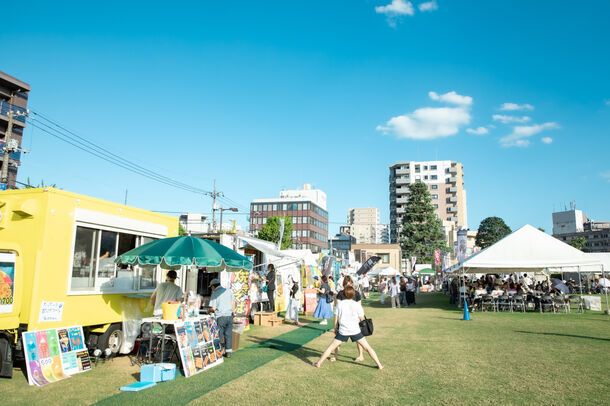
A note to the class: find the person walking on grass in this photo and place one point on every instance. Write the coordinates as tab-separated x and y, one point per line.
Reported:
394	294
349	313
383	290
323	310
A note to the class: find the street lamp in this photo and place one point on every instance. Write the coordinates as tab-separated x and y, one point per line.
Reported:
233	209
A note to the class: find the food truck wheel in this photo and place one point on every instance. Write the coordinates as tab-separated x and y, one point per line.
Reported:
112	338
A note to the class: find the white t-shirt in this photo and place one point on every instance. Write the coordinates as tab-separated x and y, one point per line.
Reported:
167	291
364	281
394	290
348	312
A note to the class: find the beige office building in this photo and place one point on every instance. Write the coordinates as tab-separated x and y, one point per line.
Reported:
364	224
445	181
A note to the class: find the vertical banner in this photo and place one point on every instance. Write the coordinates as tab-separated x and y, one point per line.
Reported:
462	244
55	354
240	287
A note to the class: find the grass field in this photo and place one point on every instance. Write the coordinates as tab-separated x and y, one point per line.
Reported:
430	356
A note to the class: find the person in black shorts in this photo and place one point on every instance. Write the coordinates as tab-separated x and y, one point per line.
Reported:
347	281
348	315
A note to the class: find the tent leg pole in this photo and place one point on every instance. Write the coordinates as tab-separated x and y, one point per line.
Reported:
605	290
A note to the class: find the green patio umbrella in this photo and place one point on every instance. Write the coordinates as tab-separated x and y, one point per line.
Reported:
427	271
186	250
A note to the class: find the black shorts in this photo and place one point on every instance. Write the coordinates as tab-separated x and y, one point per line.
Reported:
354	338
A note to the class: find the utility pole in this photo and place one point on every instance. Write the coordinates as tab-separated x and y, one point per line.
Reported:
7	151
214	194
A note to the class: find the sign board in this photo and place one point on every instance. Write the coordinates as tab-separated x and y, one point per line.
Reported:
7	282
55	354
199	345
51	311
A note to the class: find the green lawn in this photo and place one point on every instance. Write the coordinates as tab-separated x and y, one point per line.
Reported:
430	356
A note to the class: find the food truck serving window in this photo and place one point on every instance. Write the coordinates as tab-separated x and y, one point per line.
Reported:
93	266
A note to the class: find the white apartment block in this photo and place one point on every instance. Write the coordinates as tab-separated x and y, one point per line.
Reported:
445	181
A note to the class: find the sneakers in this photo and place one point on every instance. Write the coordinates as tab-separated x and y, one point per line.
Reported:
227	355
324	322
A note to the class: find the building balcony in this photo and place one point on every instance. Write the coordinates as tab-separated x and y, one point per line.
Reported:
452	199
452	179
402	200
453	170
402	172
453	218
452	209
452	189
19	113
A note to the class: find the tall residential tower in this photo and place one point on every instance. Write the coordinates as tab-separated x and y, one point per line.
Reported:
445	181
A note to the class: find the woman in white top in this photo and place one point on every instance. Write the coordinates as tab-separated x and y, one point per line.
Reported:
347	318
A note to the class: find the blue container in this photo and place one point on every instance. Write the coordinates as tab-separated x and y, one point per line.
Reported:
157	372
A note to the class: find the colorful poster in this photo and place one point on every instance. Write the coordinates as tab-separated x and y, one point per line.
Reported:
55	354
198	344
7	282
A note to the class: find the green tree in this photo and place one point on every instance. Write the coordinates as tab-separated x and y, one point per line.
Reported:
271	231
491	230
181	230
422	231
578	242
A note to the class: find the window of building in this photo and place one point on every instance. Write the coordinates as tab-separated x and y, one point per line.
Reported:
425	167
435	206
299	206
93	262
433	177
425	177
275	207
434	197
433	167
304	220
417	169
385	258
305	206
433	187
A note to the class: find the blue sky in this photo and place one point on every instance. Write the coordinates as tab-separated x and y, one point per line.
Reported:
268	95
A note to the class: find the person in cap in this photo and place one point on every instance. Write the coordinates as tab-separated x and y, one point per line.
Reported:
221	304
167	291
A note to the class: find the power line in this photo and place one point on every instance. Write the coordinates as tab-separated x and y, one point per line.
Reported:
94	149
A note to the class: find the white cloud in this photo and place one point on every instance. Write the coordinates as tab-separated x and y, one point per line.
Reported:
396	8
607	102
452	98
547	140
427	123
504	119
428	6
478	131
605	175
518	138
516	107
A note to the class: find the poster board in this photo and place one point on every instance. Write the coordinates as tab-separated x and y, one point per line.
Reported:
7	282
240	287
199	345
55	354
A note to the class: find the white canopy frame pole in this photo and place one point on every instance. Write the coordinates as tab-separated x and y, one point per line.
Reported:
605	290
579	278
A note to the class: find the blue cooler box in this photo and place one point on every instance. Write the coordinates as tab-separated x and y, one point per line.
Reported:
158	372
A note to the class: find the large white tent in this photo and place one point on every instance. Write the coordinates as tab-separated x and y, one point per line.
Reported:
528	250
531	250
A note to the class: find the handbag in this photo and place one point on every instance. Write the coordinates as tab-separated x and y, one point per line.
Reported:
329	297
366	327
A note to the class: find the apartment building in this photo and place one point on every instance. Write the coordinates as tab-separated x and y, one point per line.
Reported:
307	209
445	181
571	224
13	107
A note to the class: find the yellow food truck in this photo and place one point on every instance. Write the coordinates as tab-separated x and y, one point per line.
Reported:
57	252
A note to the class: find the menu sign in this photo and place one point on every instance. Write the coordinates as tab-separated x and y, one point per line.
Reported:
55	354
199	345
7	282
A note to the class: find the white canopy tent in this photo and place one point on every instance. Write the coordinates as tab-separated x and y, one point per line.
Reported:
387	271
527	250
530	250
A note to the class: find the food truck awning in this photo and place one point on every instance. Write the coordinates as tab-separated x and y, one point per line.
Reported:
266	247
